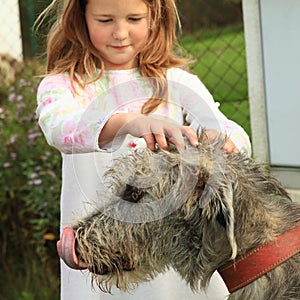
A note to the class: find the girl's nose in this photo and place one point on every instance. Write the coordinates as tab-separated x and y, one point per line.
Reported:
120	32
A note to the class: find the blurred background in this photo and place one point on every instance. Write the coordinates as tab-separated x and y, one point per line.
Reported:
213	35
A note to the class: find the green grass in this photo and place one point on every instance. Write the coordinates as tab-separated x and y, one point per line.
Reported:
220	62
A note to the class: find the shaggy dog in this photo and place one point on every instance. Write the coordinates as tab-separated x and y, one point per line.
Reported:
195	211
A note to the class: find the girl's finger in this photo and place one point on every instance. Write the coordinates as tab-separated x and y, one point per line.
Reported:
161	141
191	135
150	141
230	147
175	136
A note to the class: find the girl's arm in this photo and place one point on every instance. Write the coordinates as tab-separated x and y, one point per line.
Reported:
201	111
152	130
78	124
71	123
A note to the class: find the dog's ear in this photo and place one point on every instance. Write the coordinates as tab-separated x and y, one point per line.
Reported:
217	206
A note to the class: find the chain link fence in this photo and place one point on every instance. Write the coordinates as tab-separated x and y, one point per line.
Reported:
212	35
10	30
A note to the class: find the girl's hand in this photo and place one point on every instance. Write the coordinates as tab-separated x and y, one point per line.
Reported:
153	131
228	146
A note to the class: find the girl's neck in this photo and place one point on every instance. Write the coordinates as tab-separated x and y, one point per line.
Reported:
132	70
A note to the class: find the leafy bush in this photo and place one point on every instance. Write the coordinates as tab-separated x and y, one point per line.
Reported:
30	186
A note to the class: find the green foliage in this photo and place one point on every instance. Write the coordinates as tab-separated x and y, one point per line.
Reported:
24	277
30	188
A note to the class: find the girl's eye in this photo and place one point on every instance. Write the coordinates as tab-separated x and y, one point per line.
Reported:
104	20
135	19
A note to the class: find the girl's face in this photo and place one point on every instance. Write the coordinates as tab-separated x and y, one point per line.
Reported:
118	29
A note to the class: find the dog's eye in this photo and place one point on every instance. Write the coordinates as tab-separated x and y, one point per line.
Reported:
135	196
132	194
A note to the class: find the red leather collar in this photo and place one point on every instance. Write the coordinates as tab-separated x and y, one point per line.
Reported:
261	260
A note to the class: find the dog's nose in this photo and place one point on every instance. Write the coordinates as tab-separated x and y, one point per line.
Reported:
128	268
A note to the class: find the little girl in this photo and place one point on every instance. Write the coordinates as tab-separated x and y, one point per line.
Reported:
113	84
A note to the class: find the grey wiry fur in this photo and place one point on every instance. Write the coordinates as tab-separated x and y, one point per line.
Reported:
214	207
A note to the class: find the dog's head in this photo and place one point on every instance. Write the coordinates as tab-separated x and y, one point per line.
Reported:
150	186
161	209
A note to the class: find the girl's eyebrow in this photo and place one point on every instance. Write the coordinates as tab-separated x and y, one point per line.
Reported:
129	15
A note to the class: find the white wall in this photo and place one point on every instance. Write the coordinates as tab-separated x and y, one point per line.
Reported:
272	31
10	29
280	22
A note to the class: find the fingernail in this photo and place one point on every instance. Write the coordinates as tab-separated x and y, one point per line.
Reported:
196	144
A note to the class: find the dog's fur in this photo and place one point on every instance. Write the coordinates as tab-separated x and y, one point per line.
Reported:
215	207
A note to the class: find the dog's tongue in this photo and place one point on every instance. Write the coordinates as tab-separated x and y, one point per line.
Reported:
66	249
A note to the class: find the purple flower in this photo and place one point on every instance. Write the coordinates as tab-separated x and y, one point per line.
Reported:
34	136
6	165
13	156
13	138
23	82
19	98
35	182
33	175
12	97
179	52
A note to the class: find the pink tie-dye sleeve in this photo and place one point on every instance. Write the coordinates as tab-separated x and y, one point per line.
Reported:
70	122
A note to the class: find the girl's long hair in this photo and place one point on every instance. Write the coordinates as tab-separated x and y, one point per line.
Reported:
69	48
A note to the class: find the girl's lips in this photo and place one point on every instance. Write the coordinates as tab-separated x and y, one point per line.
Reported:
120	47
